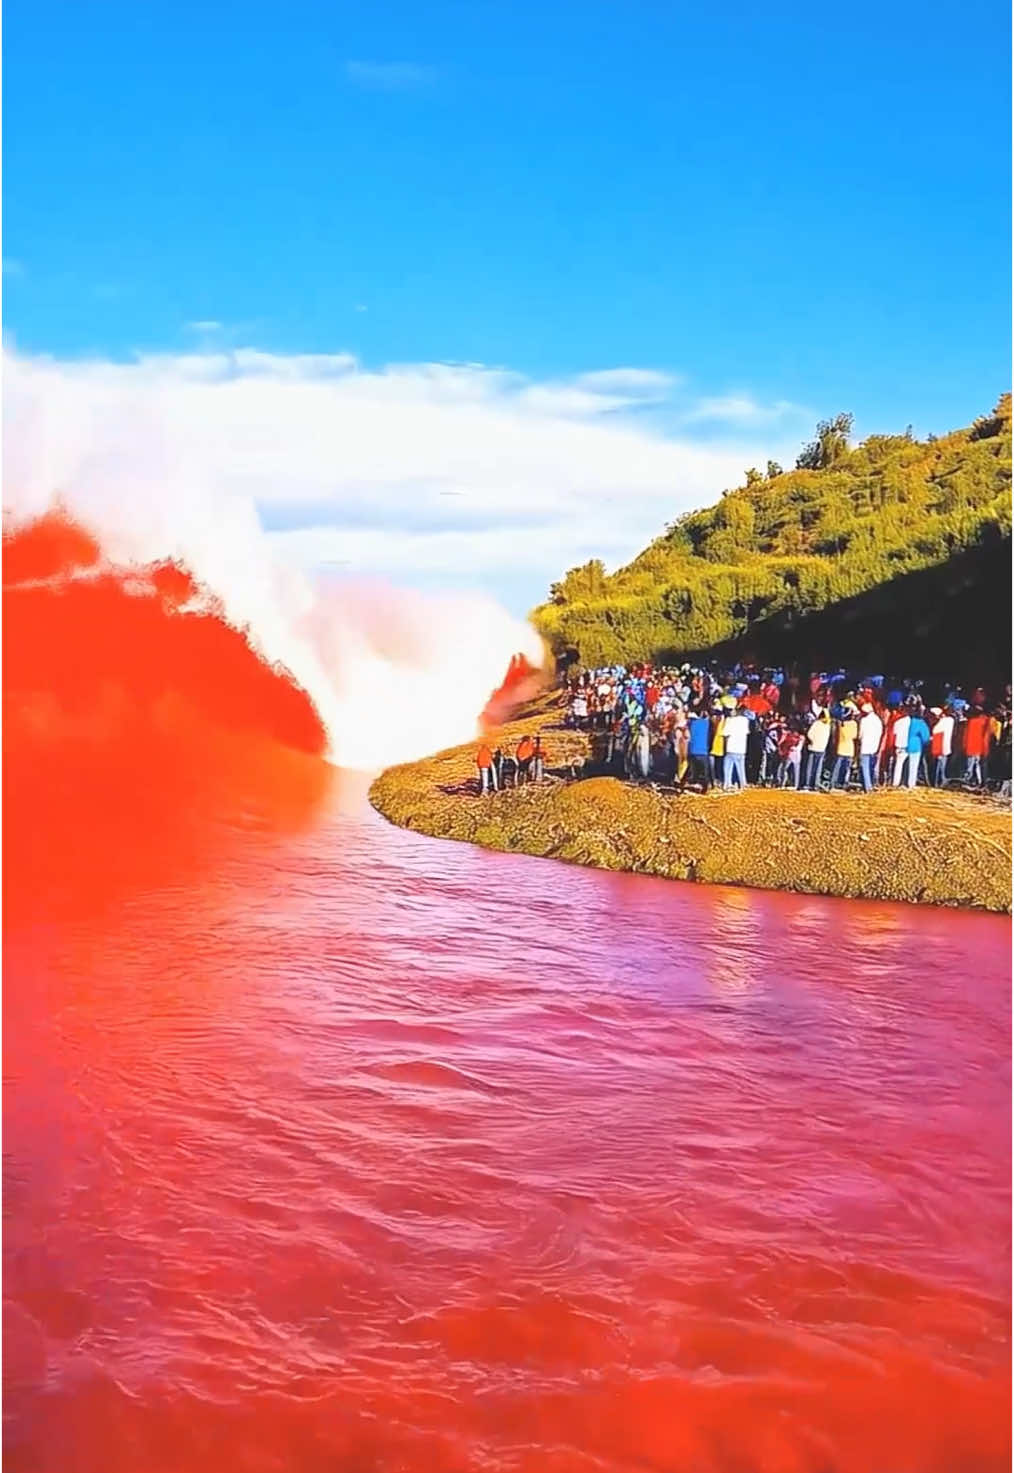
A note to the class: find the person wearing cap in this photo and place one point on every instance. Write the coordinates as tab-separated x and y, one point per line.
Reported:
699	733
899	740
845	746
871	732
941	743
918	741
737	734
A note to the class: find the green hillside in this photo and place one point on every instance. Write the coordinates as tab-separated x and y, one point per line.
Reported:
756	570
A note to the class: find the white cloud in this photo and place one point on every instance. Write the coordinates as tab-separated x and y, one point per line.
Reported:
633	383
601	392
742	409
390	76
418	471
203	325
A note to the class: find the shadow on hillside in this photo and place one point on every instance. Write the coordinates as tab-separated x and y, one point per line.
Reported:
948	620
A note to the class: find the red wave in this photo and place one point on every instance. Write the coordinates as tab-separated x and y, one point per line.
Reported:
46	548
129	631
521	683
130	717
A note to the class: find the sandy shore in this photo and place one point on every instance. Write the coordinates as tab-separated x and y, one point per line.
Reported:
925	847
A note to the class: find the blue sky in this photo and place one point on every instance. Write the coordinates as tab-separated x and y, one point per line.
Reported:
773	205
811	204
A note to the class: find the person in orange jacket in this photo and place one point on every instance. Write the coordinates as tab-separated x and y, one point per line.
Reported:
526	751
487	772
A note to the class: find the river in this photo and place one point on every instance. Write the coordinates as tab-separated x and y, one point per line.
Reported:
364	1152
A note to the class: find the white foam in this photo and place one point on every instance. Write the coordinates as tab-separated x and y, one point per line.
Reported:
394	673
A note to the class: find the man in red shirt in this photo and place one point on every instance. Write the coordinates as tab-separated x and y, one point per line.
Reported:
977	737
757	703
887	754
771	694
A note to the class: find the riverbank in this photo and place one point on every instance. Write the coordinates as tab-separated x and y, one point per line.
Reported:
924	847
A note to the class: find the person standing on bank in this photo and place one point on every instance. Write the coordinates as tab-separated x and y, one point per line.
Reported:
918	741
899	736
845	747
941	744
699	732
817	738
737	735
642	752
487	772
871	734
976	746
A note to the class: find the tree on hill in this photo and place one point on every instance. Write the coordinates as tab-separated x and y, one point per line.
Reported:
830	445
586	581
995	423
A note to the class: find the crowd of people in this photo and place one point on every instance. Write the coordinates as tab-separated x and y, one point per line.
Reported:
727	729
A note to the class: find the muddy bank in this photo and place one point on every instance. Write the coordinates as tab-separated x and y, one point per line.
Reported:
924	847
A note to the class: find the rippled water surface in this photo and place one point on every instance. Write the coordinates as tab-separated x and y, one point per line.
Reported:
371	1153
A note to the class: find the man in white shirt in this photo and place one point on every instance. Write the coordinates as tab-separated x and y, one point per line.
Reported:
871	734
941	744
899	733
736	729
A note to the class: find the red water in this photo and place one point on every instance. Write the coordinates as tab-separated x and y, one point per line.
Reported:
333	1148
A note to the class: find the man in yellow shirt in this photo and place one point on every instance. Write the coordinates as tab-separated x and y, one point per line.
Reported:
717	747
845	746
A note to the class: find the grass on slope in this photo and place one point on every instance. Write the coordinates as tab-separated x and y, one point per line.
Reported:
792	542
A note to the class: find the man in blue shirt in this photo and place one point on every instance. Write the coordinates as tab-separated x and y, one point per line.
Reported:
698	748
918	741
